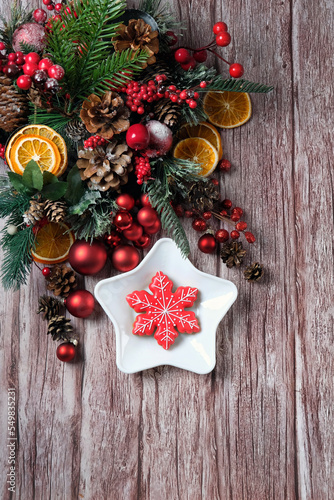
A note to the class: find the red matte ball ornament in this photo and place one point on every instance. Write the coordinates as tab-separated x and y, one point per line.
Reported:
80	303
125	201
143	242
123	220
154	228
125	258
145	201
87	258
147	216
137	137
207	243
134	232
66	352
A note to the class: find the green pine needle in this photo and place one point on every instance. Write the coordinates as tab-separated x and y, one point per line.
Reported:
17	258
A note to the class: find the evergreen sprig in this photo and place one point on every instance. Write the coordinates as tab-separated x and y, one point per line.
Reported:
17	258
165	20
12	203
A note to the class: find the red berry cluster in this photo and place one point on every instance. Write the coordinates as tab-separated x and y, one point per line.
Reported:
233	214
94	141
2	151
51	5
139	93
222	39
142	168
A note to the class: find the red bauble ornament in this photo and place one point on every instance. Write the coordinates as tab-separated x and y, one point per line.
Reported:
236	70
147	216
123	220
66	352
137	136
87	258
125	201
56	72
172	38
143	242
207	243
161	138
45	64
40	16
134	232
24	82
125	258
199	225
80	303
113	239
30	33
145	201
153	228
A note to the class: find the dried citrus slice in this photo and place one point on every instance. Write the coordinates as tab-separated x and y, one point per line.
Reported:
204	130
33	147
43	131
227	109
200	151
53	243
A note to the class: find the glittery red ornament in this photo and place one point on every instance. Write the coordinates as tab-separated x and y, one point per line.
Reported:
66	352
80	303
113	239
153	228
147	216
199	225
143	242
222	235
125	201
123	220
87	258
134	232
125	258
207	243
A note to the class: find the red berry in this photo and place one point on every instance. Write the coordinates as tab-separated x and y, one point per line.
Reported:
192	104
182	56
183	95
47	2
199	225
189	65
200	55
203	85
58	7
29	69
33	58
238	210
2	46
45	64
50	7
207	215
56	72
172	38
223	39
219	27
222	235
224	165
235	217
236	70
11	57
241	226
215	182
227	203
235	235
137	136
40	16
188	214
249	237
19	54
24	82
46	271
223	213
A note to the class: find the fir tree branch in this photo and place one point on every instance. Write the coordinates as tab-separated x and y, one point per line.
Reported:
17	259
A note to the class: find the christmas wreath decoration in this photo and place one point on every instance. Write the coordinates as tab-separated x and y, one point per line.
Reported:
110	131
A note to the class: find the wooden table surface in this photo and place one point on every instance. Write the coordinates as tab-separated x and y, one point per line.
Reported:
260	426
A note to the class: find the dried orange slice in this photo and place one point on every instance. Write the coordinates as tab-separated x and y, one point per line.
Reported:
53	243
33	147
227	109
199	151
204	130
43	131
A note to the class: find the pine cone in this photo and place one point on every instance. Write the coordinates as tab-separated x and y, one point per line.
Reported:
49	306
76	130
106	167
35	212
137	35
232	253
202	195
14	107
167	112
55	210
60	328
62	280
106	116
254	272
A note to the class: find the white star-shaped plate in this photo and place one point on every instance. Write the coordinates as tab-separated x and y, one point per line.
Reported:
195	352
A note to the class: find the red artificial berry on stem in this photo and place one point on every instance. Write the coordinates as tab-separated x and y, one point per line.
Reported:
215	182
125	201
203	85
50	7
179	210
46	271
236	70
200	55
40	16
235	217
188	214
2	46
189	65
24	82
11	57
241	226
235	235
45	64
227	203
182	56
192	104
32	57
199	225
30	69
137	136
172	38
224	165
13	71
238	210
207	215
249	237
219	27
223	39
222	235
207	243
58	7
56	72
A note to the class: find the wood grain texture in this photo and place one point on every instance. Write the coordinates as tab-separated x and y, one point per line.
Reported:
260	426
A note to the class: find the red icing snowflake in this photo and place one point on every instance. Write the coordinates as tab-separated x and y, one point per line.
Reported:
164	310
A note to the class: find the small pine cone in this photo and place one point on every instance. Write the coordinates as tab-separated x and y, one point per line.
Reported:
55	210
60	328
137	35
35	212
49	307
62	280
254	272
202	195
167	112
232	253
14	109
76	130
